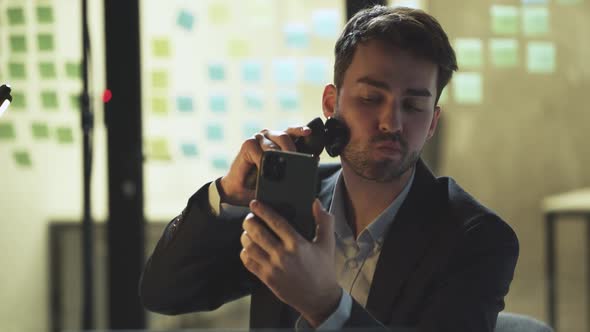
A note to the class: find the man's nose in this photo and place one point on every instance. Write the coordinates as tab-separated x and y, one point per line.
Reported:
390	119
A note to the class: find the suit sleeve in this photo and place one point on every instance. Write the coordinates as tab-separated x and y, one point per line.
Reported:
195	265
469	293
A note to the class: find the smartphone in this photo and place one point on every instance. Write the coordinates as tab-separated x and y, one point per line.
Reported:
287	182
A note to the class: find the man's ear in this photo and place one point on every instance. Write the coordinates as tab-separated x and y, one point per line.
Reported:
329	100
434	122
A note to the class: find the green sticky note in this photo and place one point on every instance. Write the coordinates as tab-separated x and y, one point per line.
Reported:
215	132
64	135
49	100
504	52
17	70
73	70
45	42
18	43
22	158
160	79
158	149
161	47
160	105
18	101
40	130
504	19
16	16
44	14
47	70
218	13
535	21
469	53
220	163
75	102
541	57
468	88
7	131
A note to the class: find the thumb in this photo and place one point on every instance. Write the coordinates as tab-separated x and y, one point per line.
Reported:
325	225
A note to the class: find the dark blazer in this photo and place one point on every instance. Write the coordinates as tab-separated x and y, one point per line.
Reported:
446	263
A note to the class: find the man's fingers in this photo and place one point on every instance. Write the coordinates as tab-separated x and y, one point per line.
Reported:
250	264
254	250
260	235
325	224
276	223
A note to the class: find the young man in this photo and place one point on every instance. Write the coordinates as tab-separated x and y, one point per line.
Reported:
398	246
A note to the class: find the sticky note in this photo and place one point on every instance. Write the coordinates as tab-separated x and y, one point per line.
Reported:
251	71
184	104
189	149
218	103
160	105
185	20
316	70
158	149
18	101
47	70
214	132
469	53
18	43
64	135
569	2
296	35
260	14
73	70
326	23
504	19
44	14
17	70
161	47
218	13
504	52
534	2
45	42
160	79
220	163
49	100
285	71
75	101
16	16
216	71
288	100
535	21
238	48
253	100
418	4
40	130
250	128
540	57
467	88
22	158
7	131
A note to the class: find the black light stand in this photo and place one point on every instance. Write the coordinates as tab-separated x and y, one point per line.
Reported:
87	121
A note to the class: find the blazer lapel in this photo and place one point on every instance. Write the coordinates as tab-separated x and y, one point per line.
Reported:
406	242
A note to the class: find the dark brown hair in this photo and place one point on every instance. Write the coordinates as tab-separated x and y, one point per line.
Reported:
410	29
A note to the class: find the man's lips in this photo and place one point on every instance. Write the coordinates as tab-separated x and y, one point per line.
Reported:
389	145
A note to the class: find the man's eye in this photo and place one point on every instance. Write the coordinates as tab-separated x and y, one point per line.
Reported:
412	108
371	100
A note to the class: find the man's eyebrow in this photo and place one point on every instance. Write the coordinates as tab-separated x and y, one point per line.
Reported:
421	92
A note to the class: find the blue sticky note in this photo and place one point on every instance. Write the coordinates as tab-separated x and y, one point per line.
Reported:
218	103
220	163
185	20
288	100
184	104
189	149
285	70
215	132
316	71
253	100
251	71
250	128
326	23
216	72
296	35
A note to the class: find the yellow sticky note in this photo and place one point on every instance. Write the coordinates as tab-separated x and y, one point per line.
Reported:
160	79
45	42
467	88
23	158
161	47
535	21
469	53
541	57
160	105
504	52
158	149
504	19
218	13
238	48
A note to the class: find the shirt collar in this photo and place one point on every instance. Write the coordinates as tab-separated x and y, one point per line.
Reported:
375	231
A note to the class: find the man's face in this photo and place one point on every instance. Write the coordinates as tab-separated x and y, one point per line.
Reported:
387	99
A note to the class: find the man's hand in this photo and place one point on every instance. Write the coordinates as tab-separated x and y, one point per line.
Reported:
300	273
234	188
